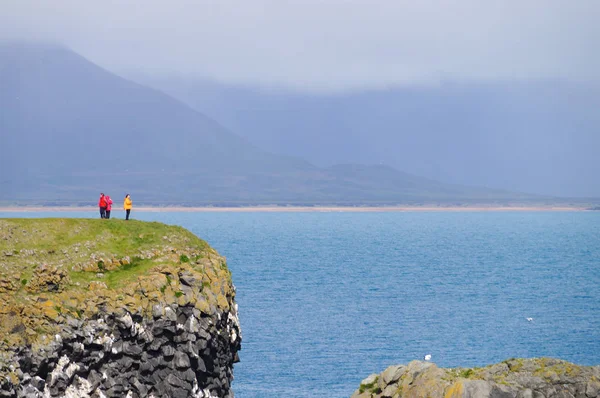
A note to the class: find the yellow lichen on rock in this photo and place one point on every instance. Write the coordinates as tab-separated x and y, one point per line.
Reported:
544	377
56	269
455	390
48	278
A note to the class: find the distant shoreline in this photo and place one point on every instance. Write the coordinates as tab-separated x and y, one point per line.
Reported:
302	209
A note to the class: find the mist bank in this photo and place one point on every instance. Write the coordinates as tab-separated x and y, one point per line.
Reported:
525	136
72	129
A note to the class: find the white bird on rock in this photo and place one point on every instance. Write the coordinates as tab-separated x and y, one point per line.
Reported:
428	357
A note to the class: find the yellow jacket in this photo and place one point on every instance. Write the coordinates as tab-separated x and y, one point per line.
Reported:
127	204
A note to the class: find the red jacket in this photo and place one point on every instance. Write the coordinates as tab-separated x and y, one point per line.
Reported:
109	202
102	202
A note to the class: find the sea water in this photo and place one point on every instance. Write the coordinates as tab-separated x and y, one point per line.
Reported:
328	298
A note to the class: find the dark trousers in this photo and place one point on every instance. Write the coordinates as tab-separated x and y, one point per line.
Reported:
127	214
107	214
103	212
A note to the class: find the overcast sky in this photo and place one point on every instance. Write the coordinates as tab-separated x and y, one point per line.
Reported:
323	45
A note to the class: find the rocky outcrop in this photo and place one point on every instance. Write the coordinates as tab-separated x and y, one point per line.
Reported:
155	316
180	352
515	378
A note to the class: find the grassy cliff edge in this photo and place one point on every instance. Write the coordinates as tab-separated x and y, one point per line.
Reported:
54	270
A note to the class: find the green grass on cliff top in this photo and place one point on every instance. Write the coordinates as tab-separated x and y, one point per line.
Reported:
115	236
27	243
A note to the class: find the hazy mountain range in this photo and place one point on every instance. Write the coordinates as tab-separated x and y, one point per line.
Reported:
70	129
541	137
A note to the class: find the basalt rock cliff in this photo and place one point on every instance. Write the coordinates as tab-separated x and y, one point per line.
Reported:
108	308
514	378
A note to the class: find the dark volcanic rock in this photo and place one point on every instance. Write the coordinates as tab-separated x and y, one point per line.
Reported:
116	368
169	330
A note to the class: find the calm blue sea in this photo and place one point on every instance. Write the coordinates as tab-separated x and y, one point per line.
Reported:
328	298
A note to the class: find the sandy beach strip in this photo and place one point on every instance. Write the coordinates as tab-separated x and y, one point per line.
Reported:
299	209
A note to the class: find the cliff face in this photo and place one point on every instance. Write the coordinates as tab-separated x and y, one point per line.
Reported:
108	308
515	378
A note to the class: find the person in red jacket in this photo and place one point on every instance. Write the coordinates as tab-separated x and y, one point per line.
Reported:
102	205
109	203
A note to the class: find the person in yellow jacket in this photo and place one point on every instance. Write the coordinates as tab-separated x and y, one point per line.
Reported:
127	206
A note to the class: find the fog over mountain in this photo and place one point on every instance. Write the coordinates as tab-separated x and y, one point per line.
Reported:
540	137
324	46
495	94
70	129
